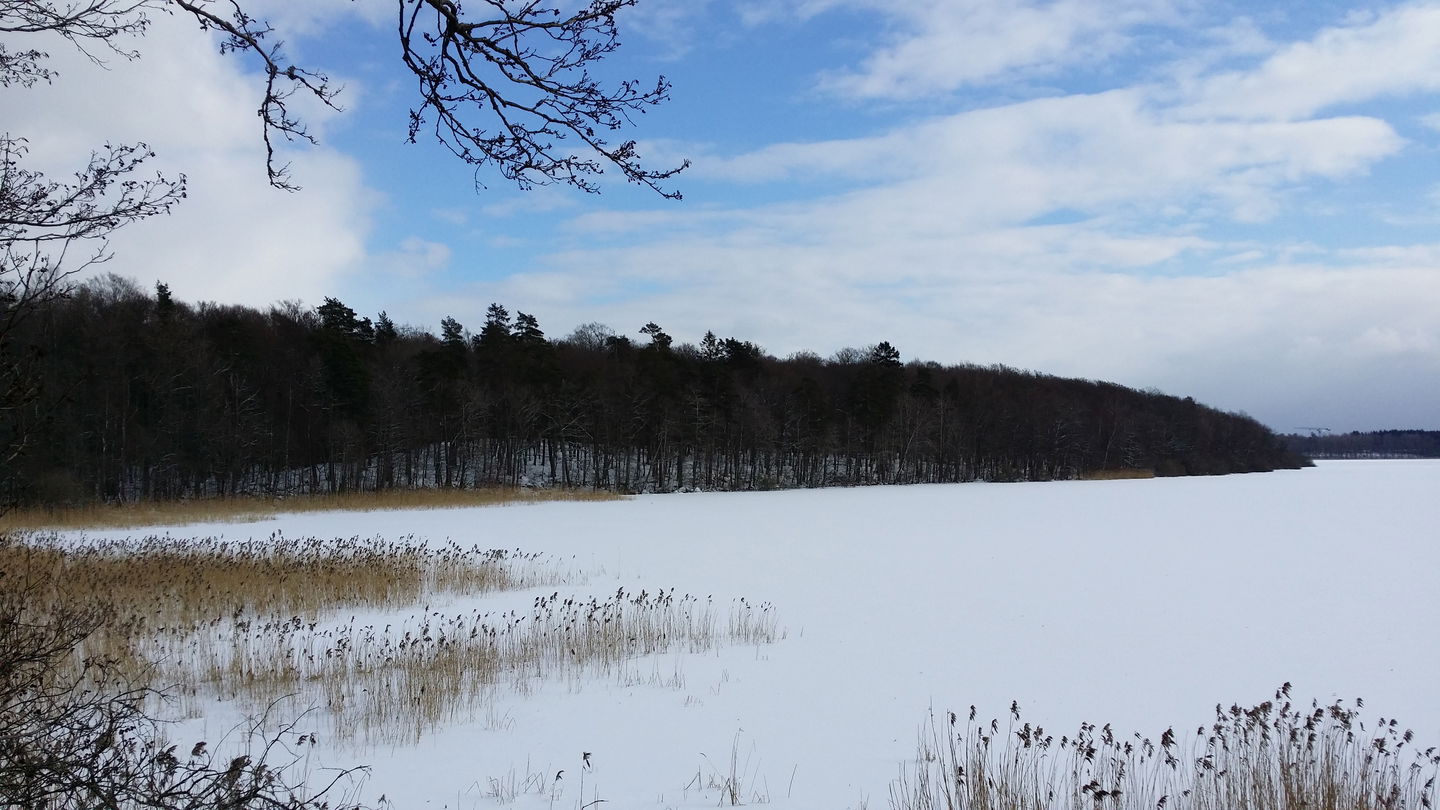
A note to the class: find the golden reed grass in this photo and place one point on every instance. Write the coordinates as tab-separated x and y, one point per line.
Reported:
1277	755
251	509
1116	475
357	627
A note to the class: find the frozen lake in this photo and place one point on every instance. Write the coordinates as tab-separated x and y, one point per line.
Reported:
1139	603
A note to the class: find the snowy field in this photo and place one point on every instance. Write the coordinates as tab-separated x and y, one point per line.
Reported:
1138	603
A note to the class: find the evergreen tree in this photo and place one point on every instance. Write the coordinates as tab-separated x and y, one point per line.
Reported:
342	339
710	347
658	339
385	332
496	332
527	330
164	303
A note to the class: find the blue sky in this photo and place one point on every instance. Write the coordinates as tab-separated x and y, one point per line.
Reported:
1233	201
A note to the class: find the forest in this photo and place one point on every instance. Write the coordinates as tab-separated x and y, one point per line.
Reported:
1367	444
134	395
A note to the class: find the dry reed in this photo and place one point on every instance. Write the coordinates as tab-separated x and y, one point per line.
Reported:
1126	474
257	620
1273	756
250	509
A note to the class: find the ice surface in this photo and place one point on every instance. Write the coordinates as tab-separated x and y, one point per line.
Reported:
1139	603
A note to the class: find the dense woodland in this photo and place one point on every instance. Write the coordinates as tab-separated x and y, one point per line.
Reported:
140	396
1371	444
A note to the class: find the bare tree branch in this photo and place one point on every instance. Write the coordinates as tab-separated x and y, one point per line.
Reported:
509	89
79	23
244	33
524	76
51	231
512	92
43	221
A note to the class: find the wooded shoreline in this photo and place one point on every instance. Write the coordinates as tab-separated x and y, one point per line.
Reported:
142	397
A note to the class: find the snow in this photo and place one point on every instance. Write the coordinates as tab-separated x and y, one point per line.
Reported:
1140	603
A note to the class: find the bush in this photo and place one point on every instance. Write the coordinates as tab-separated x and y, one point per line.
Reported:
75	734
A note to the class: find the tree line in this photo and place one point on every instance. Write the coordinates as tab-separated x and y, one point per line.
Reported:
1367	444
136	395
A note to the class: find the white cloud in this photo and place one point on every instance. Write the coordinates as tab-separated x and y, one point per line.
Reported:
1090	153
939	46
538	200
458	217
1273	339
934	247
416	258
1393	53
294	20
932	243
673	24
942	45
1389	340
234	239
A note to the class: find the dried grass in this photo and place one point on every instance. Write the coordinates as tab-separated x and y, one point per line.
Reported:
356	626
1116	475
251	509
1273	756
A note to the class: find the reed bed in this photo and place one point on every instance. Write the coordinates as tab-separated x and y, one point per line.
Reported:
390	684
162	580
242	509
357	627
1273	756
1122	474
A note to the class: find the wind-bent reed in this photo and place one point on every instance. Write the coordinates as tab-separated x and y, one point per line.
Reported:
1273	756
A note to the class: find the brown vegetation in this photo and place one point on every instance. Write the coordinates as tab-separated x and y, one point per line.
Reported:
1273	756
242	509
77	733
1116	475
361	628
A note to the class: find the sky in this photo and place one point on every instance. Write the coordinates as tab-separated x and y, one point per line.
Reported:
1232	201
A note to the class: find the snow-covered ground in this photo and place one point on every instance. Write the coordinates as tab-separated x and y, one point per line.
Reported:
1140	603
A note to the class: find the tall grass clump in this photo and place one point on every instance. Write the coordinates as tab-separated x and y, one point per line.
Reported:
356	627
180	580
1272	756
391	684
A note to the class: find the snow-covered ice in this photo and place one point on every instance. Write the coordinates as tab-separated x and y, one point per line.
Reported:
1139	603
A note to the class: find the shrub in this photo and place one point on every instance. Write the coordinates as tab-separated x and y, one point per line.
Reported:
75	734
